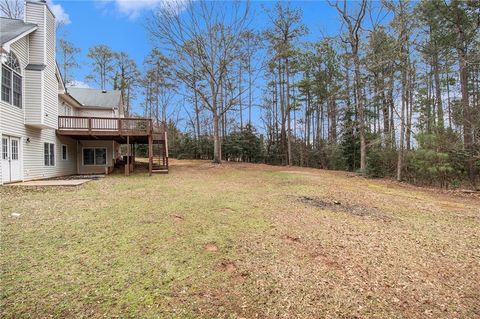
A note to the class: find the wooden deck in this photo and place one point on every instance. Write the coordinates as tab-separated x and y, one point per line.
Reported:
110	127
125	130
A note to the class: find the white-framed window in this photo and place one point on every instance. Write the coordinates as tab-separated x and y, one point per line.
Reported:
64	152
15	149
49	154
11	86
4	148
94	156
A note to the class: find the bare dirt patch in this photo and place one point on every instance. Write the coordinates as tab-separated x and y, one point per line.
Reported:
177	217
211	247
228	266
276	254
337	206
292	239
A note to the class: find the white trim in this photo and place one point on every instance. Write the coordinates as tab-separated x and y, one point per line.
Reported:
21	140
22	78
54	155
6	45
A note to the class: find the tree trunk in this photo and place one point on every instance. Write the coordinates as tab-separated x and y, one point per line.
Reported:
217	147
392	111
249	90
287	99
438	91
361	112
282	110
240	95
400	147
386	120
467	125
307	118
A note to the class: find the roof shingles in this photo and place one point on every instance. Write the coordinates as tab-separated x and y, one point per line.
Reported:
95	98
12	28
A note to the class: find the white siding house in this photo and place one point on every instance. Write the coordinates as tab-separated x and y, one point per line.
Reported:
32	99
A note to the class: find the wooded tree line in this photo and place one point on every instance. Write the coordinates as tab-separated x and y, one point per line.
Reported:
395	93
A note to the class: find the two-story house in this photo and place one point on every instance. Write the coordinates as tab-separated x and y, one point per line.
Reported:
49	130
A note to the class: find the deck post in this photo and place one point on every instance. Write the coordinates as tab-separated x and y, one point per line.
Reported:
163	154
166	147
127	166
133	157
150	154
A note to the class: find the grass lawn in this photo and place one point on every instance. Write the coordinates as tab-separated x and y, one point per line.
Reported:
238	241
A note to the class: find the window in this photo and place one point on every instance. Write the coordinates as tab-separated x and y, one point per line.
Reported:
49	154
100	156
4	148
64	152
17	90
88	156
95	156
11	80
14	149
6	84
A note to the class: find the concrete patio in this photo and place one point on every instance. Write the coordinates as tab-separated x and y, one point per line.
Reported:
58	182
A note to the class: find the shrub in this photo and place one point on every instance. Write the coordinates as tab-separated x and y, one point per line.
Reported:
439	159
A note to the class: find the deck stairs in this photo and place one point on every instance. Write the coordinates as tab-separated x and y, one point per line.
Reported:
160	153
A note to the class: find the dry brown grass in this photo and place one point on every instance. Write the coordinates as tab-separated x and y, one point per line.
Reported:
240	240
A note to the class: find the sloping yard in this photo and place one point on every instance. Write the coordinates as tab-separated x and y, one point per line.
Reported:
239	241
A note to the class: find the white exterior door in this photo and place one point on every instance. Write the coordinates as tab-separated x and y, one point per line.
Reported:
11	165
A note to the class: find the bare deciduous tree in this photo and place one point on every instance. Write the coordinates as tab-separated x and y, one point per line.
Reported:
354	23
67	54
210	32
102	64
11	9
125	78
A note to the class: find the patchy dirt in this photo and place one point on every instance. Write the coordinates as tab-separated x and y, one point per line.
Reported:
240	241
177	217
228	266
292	239
337	206
210	247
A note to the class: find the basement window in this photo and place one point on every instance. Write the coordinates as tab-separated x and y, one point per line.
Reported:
64	152
95	156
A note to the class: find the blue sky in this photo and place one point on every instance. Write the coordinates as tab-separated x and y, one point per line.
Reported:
119	24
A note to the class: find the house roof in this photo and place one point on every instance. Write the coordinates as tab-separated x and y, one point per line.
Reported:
13	28
95	98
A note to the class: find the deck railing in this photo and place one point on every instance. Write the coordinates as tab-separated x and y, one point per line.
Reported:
106	125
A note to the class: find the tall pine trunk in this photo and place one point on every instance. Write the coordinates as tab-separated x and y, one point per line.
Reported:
360	111
287	100
467	125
